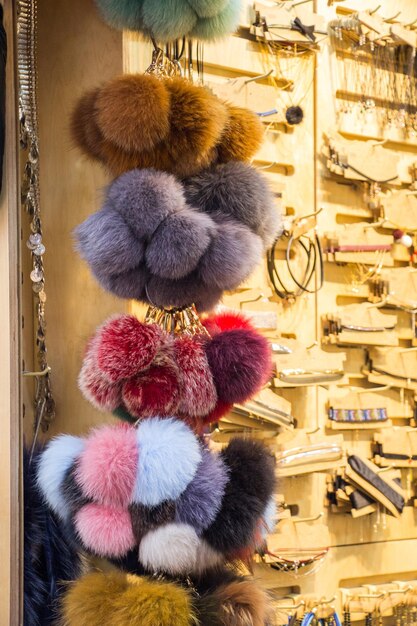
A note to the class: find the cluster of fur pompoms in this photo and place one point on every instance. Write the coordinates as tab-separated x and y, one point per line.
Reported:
148	243
127	600
167	21
145	371
139	121
155	492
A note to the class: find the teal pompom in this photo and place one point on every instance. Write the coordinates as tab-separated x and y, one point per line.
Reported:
221	25
122	14
208	8
168	20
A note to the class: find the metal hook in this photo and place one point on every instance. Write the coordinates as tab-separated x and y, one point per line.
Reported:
376	389
290	608
260	77
36	374
315	518
375	10
391	19
313	432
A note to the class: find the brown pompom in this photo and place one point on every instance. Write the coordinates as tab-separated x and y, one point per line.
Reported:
84	129
197	120
242	136
133	111
242	603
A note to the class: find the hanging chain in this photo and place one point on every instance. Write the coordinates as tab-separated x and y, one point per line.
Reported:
30	197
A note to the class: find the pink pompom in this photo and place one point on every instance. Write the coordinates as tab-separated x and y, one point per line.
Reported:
127	346
240	361
154	392
107	468
197	389
106	531
94	385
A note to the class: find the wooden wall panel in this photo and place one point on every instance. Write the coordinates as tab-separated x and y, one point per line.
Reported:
76	51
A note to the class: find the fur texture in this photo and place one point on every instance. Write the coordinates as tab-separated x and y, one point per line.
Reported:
201	501
232	256
130	285
168	20
171	548
122	14
105	531
105	227
249	488
208	8
94	385
177	293
242	603
83	127
179	243
125	600
145	518
72	492
239	191
229	320
169	455
220	25
132	111
242	136
127	346
240	361
145	198
198	395
52	467
154	392
107	467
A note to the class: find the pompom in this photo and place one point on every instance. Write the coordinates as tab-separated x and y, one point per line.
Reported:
124	600
154	392
145	518
226	321
197	390
240	361
242	602
169	455
232	256
168	21
220	25
107	467
249	488
122	14
107	243
242	136
183	292
133	110
145	198
236	190
197	120
53	465
201	501
221	409
71	491
208	8
130	285
179	243
94	385
171	548
105	531
294	115
126	346
84	130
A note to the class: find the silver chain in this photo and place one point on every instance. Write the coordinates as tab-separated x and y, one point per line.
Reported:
30	197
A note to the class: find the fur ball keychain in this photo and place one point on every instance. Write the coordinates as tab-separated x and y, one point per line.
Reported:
142	370
148	244
139	121
221	598
206	20
156	492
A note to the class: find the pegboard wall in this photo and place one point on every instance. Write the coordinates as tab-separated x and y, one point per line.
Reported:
370	549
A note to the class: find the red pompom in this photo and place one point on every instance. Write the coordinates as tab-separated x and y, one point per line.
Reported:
197	390
220	410
240	361
154	392
95	387
127	346
226	321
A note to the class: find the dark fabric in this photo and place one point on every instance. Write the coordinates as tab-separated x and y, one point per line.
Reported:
3	58
378	449
359	500
376	481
